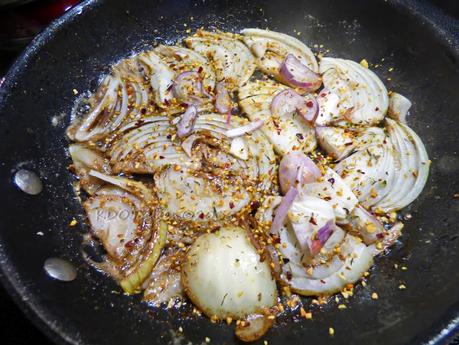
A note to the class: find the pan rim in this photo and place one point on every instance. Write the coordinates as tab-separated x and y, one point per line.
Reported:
442	26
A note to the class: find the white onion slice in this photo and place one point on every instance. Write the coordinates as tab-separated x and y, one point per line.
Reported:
412	172
368	226
233	62
399	107
333	189
358	258
336	141
224	277
161	77
362	97
239	148
270	48
307	215
84	160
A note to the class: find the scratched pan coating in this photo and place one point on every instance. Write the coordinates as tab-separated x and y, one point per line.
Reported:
35	100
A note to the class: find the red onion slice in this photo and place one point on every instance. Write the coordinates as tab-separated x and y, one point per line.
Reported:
239	131
288	102
187	122
188	88
323	235
297	169
294	73
282	210
325	232
222	99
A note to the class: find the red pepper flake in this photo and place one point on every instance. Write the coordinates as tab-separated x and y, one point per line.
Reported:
323	94
231	204
129	244
312	221
309	104
200	69
348	144
201	215
275	239
327	198
254	205
377	108
289	275
143	111
380	236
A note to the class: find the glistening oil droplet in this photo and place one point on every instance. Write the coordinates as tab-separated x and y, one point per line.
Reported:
60	269
28	182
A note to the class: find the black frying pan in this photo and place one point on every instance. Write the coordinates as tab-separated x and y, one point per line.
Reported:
413	38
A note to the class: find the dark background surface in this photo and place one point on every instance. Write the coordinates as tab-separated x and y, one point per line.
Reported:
17	26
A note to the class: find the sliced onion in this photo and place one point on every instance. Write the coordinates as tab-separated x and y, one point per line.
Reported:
282	209
222	99
187	144
398	107
296	74
223	275
188	87
186	124
366	224
325	232
254	327
337	142
239	148
288	102
296	169
239	131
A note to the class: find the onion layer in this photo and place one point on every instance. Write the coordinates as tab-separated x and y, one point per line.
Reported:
224	277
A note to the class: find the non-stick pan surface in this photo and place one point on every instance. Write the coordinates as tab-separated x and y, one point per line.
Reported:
35	101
